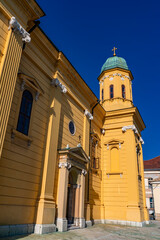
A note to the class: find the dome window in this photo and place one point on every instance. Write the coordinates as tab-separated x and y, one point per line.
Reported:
102	94
123	91
111	91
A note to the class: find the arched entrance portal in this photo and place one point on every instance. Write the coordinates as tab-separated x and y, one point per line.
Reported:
72	171
73	198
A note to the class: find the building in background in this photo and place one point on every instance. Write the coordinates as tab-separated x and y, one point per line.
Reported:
66	158
152	186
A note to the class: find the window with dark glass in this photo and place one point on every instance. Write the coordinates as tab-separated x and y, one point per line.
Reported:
102	94
111	91
25	112
72	128
151	202
123	92
95	160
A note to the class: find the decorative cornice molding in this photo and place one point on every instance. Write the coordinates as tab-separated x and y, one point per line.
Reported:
133	127
84	172
88	114
111	76
55	82
15	25
65	165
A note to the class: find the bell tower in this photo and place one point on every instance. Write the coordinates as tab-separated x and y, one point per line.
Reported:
123	190
115	84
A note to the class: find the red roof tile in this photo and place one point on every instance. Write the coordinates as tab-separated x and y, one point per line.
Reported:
153	163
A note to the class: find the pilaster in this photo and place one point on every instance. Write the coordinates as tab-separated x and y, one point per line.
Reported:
145	210
8	75
46	204
81	206
62	195
133	208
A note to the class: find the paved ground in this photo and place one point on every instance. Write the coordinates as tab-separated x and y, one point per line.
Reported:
101	232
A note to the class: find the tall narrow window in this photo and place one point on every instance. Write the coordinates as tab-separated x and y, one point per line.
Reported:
95	159
114	160
151	202
138	156
25	112
102	94
111	91
123	92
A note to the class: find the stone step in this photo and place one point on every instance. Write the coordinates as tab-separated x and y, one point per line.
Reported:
72	227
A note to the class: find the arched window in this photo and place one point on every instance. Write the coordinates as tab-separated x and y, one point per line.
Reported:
25	112
102	94
114	159
111	91
123	91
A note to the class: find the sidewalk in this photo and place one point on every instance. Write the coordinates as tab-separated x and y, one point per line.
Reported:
101	232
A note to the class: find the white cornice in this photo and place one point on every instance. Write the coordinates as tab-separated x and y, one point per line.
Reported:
133	127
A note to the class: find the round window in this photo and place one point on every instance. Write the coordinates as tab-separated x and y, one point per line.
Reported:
72	128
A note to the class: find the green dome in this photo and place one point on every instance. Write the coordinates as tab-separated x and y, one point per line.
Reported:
114	62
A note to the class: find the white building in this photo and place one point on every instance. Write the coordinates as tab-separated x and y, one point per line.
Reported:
152	186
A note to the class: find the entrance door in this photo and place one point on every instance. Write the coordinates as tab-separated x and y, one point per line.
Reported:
71	204
72	186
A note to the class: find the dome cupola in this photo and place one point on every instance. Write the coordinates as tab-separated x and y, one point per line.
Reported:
114	62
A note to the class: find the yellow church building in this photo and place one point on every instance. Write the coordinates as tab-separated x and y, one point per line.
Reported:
67	159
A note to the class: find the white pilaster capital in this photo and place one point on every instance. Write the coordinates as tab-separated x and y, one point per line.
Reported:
37	96
103	131
22	85
141	140
55	82
84	172
88	114
133	127
65	165
15	25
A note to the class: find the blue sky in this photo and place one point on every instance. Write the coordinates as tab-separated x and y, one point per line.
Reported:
86	31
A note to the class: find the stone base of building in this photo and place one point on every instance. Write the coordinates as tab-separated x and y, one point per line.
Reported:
157	216
17	229
44	228
82	223
62	224
88	223
116	222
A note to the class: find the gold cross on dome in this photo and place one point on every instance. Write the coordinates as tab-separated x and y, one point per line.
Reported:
114	49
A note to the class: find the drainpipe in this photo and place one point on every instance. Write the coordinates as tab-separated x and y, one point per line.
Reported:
153	202
98	101
31	30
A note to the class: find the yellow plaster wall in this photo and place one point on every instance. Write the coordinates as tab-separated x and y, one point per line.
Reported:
96	174
21	165
109	78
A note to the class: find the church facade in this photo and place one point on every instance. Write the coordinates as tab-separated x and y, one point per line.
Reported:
66	158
